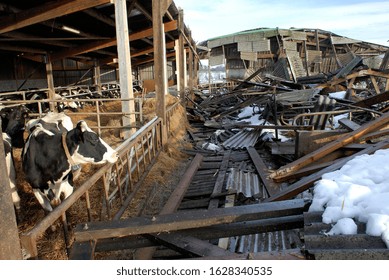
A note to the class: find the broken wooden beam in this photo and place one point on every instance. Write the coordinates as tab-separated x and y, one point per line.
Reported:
263	172
186	220
190	246
332	146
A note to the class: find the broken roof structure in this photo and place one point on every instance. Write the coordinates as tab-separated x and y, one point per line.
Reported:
291	54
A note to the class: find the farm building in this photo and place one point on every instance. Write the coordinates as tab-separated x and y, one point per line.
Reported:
292	54
202	171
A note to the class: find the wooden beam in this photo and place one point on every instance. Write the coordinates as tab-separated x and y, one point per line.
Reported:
125	69
160	68
263	172
9	236
187	219
218	187
191	246
52	9
109	42
165	5
330	147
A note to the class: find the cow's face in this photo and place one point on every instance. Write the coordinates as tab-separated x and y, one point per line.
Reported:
13	124
91	148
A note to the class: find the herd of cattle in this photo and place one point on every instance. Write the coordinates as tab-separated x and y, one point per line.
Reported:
52	148
67	98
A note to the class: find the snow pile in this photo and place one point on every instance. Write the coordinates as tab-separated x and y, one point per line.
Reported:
358	192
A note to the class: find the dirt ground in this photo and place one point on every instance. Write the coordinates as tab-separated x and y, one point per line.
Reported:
149	200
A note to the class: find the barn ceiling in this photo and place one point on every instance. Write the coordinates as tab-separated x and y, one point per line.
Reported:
82	30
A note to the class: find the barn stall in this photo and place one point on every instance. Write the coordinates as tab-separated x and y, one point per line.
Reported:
92	60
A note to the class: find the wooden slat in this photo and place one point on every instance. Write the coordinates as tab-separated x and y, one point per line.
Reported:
263	172
349	124
308	181
218	187
187	219
82	250
191	246
330	147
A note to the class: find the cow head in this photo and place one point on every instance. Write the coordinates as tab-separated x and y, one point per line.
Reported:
13	120
90	147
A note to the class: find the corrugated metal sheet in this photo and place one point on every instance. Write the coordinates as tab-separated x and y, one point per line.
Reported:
243	139
265	242
246	183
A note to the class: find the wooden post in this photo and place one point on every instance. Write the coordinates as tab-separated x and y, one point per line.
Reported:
9	236
125	71
97	77
181	51
160	71
50	82
191	71
196	71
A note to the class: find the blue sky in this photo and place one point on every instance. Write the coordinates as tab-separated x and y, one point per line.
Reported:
362	20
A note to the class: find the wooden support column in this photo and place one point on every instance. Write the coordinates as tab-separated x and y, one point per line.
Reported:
50	82
196	71
125	71
181	51
97	77
191	72
160	71
9	235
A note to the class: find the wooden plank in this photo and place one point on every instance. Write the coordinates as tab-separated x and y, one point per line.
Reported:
83	250
187	219
191	246
309	141
218	187
308	181
173	201
349	124
207	233
332	146
263	172
178	193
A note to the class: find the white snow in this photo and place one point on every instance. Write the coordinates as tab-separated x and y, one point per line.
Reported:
255	118
358	192
338	94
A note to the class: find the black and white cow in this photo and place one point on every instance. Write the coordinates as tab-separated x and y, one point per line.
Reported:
48	158
11	169
12	122
12	125
54	122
